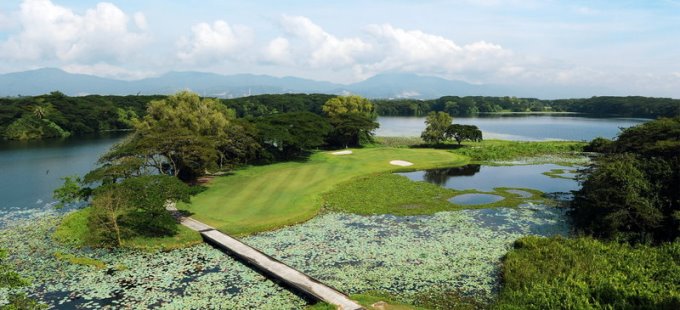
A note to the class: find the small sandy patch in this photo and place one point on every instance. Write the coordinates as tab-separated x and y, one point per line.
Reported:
342	153
401	163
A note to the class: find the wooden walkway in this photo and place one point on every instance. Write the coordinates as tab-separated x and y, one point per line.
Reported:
270	265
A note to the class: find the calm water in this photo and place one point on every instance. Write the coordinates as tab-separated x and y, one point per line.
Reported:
30	171
486	178
518	127
475	199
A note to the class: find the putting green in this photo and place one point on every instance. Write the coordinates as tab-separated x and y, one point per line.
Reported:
262	198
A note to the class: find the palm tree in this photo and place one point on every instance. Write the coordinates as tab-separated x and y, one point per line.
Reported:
39	111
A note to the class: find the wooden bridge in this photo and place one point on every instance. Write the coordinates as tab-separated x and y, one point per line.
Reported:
269	265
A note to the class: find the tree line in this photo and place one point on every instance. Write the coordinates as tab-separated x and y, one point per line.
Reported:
56	115
633	106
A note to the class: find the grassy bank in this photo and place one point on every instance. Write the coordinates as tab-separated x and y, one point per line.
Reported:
387	193
490	150
267	197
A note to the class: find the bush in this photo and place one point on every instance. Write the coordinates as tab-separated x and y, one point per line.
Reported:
584	273
599	145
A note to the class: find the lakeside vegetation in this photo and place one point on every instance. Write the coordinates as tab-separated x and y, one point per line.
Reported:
55	115
632	106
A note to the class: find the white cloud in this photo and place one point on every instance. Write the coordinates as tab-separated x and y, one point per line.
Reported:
420	52
278	52
51	32
216	42
314	47
386	48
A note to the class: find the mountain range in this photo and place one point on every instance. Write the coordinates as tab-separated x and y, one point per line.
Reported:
389	85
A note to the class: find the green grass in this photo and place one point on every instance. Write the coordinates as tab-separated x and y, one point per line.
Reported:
584	273
382	302
73	231
386	193
398	141
558	173
263	198
508	150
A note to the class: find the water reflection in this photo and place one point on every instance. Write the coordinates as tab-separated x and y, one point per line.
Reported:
440	176
486	178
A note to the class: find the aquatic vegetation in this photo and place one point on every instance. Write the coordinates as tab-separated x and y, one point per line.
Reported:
406	255
80	260
569	160
493	150
402	255
562	174
195	277
475	199
398	141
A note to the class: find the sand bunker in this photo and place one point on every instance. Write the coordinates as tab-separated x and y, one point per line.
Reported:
342	153
401	163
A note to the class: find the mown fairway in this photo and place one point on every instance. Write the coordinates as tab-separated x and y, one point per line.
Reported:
266	197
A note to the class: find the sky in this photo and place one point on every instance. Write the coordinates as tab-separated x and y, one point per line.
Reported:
618	47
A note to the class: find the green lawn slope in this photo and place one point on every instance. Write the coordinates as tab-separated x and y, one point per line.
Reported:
267	197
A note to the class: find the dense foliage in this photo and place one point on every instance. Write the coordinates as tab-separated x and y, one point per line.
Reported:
134	207
287	135
633	191
57	115
465	106
583	273
262	105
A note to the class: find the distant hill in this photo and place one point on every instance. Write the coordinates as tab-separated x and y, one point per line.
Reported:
390	85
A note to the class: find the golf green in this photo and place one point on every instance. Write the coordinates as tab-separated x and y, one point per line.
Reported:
261	198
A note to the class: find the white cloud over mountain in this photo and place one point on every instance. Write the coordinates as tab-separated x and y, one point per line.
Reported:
384	48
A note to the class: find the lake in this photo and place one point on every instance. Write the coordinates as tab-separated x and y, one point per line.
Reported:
518	127
31	170
486	178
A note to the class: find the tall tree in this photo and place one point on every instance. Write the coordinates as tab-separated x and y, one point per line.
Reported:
183	135
353	120
437	125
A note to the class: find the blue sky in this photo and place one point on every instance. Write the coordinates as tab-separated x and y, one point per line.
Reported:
614	47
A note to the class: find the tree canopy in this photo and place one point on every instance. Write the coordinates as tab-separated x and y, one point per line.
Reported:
290	134
436	130
353	120
461	133
342	105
